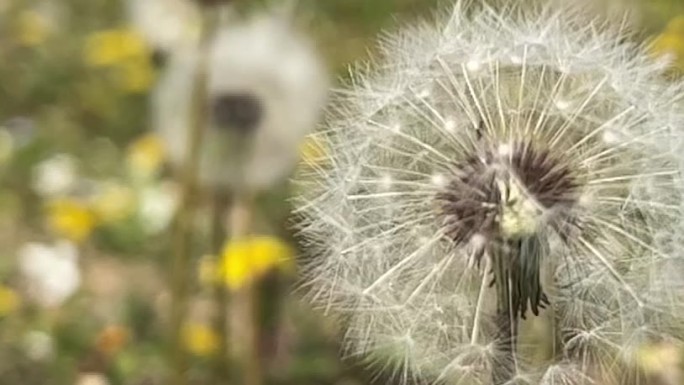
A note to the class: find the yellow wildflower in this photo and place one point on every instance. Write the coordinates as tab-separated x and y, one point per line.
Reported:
113	46
9	300
671	42
113	202
135	74
70	218
200	339
676	25
312	151
123	51
145	156
658	357
244	260
32	28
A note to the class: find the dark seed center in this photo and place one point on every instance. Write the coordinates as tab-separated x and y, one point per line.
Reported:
491	192
238	112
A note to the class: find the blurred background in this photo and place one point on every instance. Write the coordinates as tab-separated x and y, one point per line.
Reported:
87	203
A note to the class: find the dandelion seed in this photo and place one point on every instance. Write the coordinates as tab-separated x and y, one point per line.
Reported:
563	161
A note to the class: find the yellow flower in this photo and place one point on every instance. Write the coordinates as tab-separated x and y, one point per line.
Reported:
676	25
145	156
311	151
124	52
135	74
243	261
70	218
9	300
199	339
113	46
658	357
671	42
113	202
32	28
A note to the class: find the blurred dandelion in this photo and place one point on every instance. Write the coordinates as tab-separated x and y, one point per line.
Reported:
200	339
670	42
9	301
33	27
112	201
55	176
145	157
125	53
39	345
51	272
260	110
110	47
244	260
70	218
493	165
157	205
250	92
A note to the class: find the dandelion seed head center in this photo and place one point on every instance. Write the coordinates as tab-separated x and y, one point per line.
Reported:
508	191
241	112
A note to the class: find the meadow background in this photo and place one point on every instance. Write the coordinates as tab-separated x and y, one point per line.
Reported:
87	204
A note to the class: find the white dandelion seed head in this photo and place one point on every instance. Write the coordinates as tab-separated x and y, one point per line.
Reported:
55	176
266	89
550	133
158	204
51	272
39	345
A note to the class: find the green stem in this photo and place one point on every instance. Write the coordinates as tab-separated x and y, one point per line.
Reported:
245	298
221	202
182	233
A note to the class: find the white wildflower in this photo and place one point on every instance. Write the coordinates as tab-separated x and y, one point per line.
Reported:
55	176
483	152
92	378
39	345
165	24
51	271
157	206
266	88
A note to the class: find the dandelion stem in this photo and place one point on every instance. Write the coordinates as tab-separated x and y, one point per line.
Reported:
182	246
245	299
506	318
221	201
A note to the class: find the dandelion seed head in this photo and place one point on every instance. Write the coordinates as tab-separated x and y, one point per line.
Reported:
547	138
266	87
